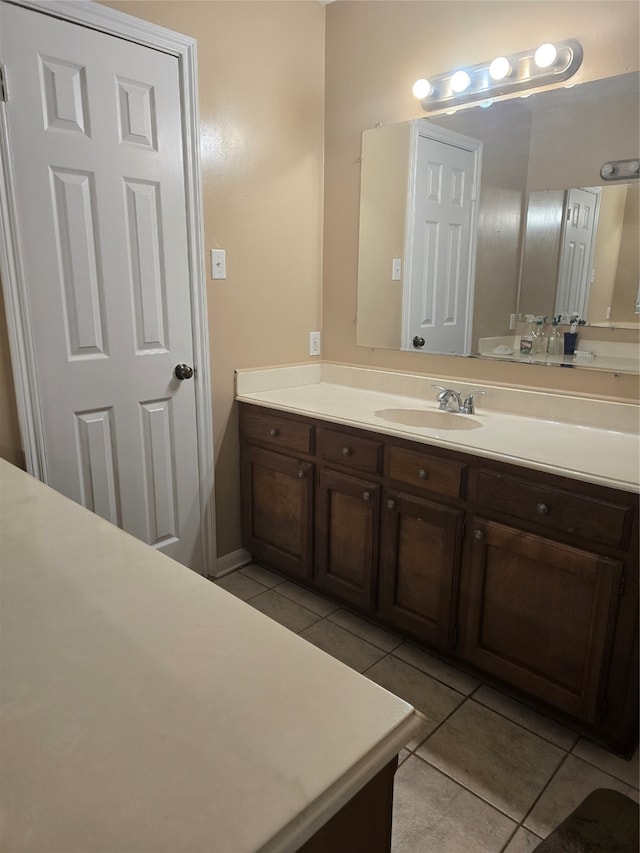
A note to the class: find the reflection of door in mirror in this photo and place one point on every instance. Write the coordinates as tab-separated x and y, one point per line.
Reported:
611	268
441	241
575	271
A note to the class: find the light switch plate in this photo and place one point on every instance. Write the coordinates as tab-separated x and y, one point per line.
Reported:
218	263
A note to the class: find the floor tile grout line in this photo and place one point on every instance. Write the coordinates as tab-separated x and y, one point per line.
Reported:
539	797
473	793
439	726
526	728
635	786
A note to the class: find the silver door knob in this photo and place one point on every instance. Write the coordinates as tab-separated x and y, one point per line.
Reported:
183	371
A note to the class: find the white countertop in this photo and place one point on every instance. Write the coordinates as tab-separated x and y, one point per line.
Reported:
145	709
589	453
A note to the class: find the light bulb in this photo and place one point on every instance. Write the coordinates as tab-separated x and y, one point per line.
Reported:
421	89
460	81
545	55
499	68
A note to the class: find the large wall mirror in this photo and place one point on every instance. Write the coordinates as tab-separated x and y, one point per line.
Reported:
535	229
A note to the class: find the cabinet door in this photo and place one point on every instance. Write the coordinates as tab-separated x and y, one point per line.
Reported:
347	527
419	561
277	510
539	615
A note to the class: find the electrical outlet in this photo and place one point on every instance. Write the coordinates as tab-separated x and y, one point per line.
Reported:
314	343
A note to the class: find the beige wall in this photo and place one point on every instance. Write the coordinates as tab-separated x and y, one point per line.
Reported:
261	94
383	208
606	251
626	286
374	53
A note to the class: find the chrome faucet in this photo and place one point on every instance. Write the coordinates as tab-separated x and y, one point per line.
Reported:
447	396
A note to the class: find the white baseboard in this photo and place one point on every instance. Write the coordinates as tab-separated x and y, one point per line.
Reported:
231	561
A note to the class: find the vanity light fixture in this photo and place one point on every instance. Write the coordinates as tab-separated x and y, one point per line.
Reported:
530	69
620	170
460	81
500	68
545	55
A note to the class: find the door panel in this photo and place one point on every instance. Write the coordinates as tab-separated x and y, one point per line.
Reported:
441	262
95	130
576	255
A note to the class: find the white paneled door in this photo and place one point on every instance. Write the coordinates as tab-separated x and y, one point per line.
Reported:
575	269
438	297
98	171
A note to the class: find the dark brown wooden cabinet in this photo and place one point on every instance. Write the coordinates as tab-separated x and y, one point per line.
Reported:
527	578
278	502
419	560
540	615
347	537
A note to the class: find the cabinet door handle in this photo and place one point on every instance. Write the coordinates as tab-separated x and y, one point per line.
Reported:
366	496
542	509
391	504
346	451
423	473
479	535
273	432
302	474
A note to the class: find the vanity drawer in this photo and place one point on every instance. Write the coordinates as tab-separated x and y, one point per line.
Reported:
420	470
582	516
359	453
275	430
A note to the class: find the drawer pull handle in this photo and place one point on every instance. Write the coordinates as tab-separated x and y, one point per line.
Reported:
423	473
301	474
479	535
346	451
273	432
391	504
542	509
366	496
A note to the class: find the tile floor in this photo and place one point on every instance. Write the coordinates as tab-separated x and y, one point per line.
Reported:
486	774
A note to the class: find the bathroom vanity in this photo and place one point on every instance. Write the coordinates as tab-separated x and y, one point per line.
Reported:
145	708
506	543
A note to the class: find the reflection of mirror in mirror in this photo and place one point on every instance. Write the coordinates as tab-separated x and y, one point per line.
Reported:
534	151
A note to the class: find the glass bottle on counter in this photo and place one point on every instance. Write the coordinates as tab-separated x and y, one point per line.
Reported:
526	339
539	336
555	345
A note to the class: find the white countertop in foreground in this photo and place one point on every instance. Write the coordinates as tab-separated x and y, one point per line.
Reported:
588	453
145	709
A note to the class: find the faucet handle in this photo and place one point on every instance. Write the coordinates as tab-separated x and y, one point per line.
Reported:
442	390
469	400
